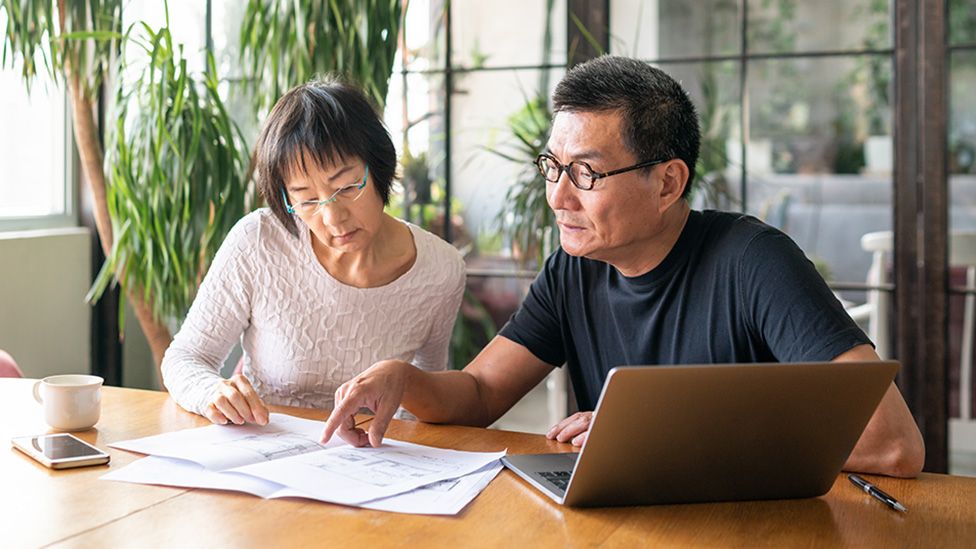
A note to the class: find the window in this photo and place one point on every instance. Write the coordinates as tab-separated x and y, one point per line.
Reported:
35	173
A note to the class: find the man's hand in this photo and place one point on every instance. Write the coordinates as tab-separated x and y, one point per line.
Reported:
236	402
380	389
572	429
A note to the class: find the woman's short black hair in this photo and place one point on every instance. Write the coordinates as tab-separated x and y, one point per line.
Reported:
325	121
659	119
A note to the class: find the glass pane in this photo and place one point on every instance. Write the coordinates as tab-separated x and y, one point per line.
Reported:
487	106
424	35
962	21
226	33
819	115
962	113
819	158
188	20
415	117
240	107
674	28
487	34
962	240
32	146
714	89
782	26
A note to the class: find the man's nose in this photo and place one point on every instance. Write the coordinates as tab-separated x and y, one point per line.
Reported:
561	195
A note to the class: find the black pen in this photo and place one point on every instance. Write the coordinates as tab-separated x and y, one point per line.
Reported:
877	493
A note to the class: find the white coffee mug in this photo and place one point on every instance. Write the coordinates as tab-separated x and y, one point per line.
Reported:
71	402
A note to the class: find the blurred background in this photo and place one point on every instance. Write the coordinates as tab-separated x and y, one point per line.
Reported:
817	117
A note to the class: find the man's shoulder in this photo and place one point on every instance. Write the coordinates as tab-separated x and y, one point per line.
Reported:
737	223
734	231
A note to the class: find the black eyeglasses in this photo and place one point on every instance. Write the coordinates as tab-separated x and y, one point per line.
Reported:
580	173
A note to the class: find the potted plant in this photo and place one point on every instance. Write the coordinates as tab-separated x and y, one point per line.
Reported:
151	252
177	177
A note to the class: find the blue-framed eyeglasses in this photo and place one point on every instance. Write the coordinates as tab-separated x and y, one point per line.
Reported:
347	194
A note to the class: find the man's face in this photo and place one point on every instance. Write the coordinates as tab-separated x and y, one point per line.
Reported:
621	211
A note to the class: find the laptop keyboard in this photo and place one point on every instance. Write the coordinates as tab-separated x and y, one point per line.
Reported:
559	478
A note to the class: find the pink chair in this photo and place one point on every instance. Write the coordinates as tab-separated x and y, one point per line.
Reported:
8	366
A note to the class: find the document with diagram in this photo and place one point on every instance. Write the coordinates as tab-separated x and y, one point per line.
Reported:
355	475
221	447
285	459
446	497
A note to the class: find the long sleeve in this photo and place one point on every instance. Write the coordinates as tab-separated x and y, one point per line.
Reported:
303	332
218	316
433	354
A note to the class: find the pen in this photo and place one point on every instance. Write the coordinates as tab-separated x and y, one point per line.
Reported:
877	493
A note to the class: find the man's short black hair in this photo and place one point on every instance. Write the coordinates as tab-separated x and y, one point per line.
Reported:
659	119
325	121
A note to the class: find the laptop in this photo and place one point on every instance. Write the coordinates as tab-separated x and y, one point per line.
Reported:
720	432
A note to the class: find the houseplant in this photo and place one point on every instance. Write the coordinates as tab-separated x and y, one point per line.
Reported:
76	43
161	210
284	43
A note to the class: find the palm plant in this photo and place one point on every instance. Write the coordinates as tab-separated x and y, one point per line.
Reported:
527	219
177	180
288	42
75	43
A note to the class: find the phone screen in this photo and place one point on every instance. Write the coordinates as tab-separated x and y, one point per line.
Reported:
63	446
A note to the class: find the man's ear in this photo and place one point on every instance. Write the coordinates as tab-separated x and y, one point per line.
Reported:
674	180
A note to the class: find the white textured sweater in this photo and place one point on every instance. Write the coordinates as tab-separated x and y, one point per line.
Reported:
303	332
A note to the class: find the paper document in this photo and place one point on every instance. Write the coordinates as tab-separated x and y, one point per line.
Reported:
447	497
285	459
220	447
355	475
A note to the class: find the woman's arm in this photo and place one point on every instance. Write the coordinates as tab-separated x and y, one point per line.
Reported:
432	355
219	314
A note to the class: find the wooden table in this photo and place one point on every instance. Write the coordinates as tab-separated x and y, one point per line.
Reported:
73	508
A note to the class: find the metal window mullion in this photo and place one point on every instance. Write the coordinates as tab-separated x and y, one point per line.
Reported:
743	105
448	133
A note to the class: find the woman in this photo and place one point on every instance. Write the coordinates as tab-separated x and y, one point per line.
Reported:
322	283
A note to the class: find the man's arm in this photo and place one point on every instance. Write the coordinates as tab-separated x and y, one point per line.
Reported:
891	443
478	395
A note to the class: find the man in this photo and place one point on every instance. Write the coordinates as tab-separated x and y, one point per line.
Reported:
640	279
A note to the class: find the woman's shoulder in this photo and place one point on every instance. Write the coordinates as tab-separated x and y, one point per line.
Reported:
261	228
436	254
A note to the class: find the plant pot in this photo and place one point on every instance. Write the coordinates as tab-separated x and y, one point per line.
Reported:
759	153
878	154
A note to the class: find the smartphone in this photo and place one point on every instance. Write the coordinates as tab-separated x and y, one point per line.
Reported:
60	451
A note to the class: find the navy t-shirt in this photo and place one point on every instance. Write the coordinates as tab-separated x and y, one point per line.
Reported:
732	289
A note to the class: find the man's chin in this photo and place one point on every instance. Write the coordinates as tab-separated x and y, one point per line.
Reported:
574	249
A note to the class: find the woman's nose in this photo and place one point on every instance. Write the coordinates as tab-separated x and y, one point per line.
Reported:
332	213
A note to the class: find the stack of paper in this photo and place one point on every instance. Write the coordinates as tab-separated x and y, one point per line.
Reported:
285	459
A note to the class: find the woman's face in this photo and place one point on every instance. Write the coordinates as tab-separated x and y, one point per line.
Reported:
353	215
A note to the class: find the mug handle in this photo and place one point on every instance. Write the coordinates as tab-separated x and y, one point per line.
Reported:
37	391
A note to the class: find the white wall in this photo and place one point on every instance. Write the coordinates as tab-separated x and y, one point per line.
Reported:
44	319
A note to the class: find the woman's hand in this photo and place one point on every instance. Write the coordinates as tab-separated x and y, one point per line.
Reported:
572	429
380	389
236	402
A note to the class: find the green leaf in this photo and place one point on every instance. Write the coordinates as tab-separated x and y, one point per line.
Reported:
172	125
284	43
